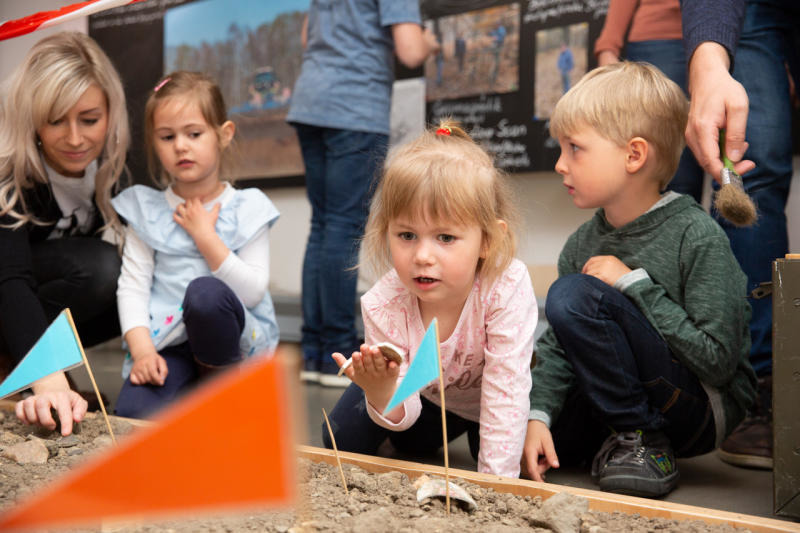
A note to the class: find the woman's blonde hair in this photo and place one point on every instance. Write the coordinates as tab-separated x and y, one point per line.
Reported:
54	75
626	100
444	176
190	87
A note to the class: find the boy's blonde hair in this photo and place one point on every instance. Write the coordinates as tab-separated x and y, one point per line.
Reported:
626	100
191	88
45	86
444	177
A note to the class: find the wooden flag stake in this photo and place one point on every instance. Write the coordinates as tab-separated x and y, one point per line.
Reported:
91	376
444	420
335	451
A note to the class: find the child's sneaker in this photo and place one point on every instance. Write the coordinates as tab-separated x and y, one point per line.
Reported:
636	463
310	371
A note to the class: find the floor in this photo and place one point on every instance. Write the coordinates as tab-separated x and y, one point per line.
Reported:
705	481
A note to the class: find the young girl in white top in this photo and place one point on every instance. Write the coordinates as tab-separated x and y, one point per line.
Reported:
441	225
192	293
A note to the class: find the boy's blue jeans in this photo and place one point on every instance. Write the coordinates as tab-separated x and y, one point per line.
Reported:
341	169
627	378
214	319
765	47
355	431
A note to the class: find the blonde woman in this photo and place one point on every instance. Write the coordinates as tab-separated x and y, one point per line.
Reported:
63	139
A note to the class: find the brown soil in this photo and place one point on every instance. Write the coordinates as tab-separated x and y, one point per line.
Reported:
376	502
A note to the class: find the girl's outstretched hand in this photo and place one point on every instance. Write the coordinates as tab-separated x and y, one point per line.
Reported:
193	217
373	373
538	452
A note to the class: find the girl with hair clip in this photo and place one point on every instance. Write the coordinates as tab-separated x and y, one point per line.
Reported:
63	140
192	293
441	229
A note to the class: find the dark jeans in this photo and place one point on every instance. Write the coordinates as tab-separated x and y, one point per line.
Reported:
341	166
80	273
765	45
669	56
355	431
626	376
214	319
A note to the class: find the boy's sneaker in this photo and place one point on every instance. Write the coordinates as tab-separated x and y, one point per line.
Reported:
636	463
328	375
310	371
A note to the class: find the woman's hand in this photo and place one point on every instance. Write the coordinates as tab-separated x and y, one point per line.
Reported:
606	57
718	102
52	392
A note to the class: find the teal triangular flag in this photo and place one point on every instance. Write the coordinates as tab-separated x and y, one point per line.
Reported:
57	349
423	369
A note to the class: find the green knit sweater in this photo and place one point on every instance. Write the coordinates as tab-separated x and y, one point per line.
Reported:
693	293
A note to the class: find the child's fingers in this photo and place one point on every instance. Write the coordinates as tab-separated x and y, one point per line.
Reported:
393	369
550	455
358	363
339	358
159	372
146	373
344	364
370	362
375	361
366	349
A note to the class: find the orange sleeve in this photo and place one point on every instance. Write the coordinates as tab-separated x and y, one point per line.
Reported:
618	19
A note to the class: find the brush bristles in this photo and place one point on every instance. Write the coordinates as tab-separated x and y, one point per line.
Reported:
734	204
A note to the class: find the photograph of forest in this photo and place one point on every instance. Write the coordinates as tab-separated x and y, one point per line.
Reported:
561	60
479	53
253	49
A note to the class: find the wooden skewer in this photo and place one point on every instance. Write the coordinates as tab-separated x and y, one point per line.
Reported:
335	451
91	377
444	421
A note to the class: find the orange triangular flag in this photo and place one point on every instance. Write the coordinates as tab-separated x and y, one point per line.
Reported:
227	446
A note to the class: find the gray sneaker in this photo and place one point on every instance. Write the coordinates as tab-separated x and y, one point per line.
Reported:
636	463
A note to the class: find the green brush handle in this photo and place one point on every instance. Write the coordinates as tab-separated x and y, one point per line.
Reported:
725	161
728	175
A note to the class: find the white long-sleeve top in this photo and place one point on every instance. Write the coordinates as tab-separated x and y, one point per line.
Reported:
245	272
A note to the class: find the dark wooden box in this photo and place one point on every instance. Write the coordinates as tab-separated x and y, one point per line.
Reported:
786	385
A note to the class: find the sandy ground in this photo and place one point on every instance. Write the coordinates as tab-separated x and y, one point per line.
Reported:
375	502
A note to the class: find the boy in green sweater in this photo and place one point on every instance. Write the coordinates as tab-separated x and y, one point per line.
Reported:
646	356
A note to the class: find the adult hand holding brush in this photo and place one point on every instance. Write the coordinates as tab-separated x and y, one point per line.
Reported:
731	201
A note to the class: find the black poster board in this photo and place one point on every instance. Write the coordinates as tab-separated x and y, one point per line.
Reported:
503	93
135	38
132	37
500	83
